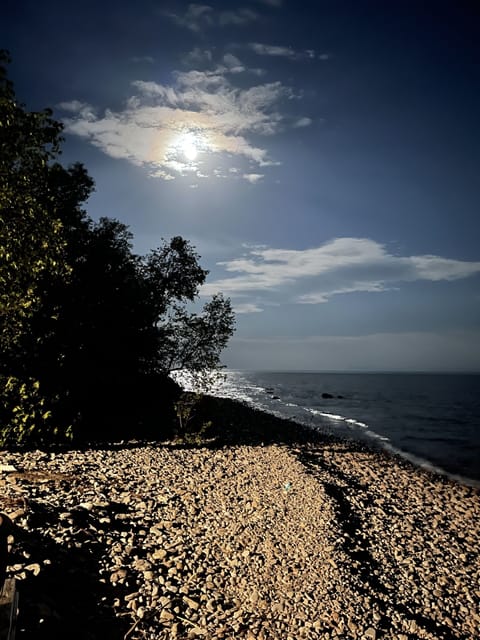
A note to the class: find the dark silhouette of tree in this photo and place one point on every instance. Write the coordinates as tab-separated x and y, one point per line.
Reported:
31	242
89	330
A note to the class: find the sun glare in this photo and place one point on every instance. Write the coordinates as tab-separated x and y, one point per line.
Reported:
188	145
190	151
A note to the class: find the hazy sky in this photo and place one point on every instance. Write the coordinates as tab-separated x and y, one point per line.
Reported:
322	157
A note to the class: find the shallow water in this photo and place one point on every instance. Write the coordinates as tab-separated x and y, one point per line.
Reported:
433	420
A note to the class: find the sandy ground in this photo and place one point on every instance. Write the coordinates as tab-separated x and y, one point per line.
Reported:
259	541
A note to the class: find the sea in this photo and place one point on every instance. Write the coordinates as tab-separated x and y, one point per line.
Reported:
433	420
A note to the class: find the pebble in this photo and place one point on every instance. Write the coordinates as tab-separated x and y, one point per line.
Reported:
207	543
34	568
191	603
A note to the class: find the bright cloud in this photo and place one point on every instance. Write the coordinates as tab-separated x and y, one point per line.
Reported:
200	16
202	106
341	266
253	177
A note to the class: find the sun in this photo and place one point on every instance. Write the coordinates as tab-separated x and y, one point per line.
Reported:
188	145
190	151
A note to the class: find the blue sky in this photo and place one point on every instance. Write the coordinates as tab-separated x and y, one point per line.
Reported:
321	156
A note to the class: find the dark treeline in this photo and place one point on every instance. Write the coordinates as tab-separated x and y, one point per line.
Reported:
89	331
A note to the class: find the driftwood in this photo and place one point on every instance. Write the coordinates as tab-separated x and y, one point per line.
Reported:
8	592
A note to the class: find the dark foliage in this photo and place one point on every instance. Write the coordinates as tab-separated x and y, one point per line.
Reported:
89	331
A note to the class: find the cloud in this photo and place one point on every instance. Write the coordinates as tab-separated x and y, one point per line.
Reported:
302	122
197	56
271	50
233	64
248	307
283	52
239	17
202	108
196	17
341	266
80	109
253	178
201	16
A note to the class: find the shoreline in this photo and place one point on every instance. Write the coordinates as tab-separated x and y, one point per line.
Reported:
430	422
369	438
311	433
263	534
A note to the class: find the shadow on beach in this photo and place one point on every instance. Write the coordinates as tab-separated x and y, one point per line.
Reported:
65	599
234	423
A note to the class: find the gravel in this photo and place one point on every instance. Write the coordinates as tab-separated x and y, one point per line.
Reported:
319	540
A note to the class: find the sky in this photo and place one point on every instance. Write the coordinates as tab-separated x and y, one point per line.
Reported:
322	156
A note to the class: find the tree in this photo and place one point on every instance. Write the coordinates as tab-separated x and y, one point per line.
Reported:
31	249
125	326
31	241
185	339
89	330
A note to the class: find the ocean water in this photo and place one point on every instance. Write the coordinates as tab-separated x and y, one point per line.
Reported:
432	420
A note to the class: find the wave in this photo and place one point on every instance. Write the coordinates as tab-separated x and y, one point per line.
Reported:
351	423
236	386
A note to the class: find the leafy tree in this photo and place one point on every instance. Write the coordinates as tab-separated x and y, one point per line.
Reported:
125	325
89	330
31	242
31	249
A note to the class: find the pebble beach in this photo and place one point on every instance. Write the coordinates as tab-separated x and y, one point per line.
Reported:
265	532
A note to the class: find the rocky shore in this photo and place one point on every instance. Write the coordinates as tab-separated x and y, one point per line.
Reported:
266	533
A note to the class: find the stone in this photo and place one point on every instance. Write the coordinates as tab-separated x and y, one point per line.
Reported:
352	626
235	554
7	468
34	568
193	604
166	616
142	565
118	576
